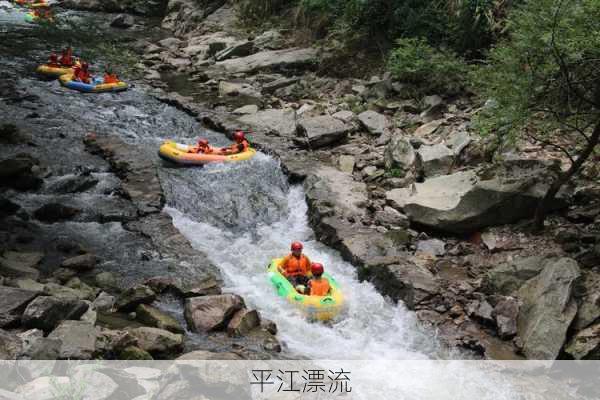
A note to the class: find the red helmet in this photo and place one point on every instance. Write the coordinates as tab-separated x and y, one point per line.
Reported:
239	136
297	246
316	268
202	142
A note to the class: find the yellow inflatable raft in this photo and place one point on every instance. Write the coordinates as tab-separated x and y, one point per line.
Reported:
178	153
48	70
321	308
97	85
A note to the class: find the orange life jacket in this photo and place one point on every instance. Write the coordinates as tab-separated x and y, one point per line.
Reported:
110	78
319	287
293	266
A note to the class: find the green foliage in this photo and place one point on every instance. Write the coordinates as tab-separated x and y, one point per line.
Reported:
428	70
546	77
395	172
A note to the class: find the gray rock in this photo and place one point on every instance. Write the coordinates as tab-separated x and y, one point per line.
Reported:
240	49
436	159
209	313
458	142
87	292
134	296
427	129
481	310
46	312
104	302
153	317
585	345
208	355
244	91
345	116
78	339
432	101
279	121
20	265
12	304
269	60
72	184
84	262
508	277
375	123
589	302
271	40
434	247
243	322
346	163
158	342
10	345
249	109
106	280
323	130
547	309
37	347
400	155
391	218
467	201
43	388
122	21
18	173
506	313
81	293
28	284
279	84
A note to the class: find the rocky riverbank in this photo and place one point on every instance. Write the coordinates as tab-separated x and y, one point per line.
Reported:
404	189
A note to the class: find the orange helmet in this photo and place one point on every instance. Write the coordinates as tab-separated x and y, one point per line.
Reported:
202	142
239	136
316	269
297	246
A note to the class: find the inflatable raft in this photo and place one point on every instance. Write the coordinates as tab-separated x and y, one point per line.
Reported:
97	85
321	308
33	18
48	70
178	153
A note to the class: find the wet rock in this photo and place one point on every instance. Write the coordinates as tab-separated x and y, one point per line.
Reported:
184	287
391	218
434	247
209	313
241	49
104	302
245	110
269	60
547	309
152	317
158	342
10	345
585	345
134	353
505	313
375	123
46	312
404	281
7	207
106	280
269	326
17	173
37	347
78	339
82	263
134	296
20	264
508	277
323	130
436	159
281	122
243	322
400	156
54	212
279	84
12	304
122	21
467	201
346	163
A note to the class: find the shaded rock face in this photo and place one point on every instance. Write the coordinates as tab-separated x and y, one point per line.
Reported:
548	309
210	313
585	345
20	265
464	202
45	312
510	276
17	173
54	212
12	304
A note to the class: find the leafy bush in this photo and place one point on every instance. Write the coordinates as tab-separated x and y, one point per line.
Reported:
426	69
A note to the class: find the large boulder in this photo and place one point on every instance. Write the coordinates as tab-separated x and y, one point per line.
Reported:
467	201
400	156
134	296
323	130
45	312
243	322
585	345
12	304
20	265
375	123
547	309
158	342
210	313
508	277
152	317
282	122
269	60
78	339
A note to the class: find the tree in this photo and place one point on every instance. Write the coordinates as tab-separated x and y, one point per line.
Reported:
545	83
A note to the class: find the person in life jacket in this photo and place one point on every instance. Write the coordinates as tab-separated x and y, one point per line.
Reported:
317	286
110	77
296	266
66	58
53	60
202	147
240	145
82	74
